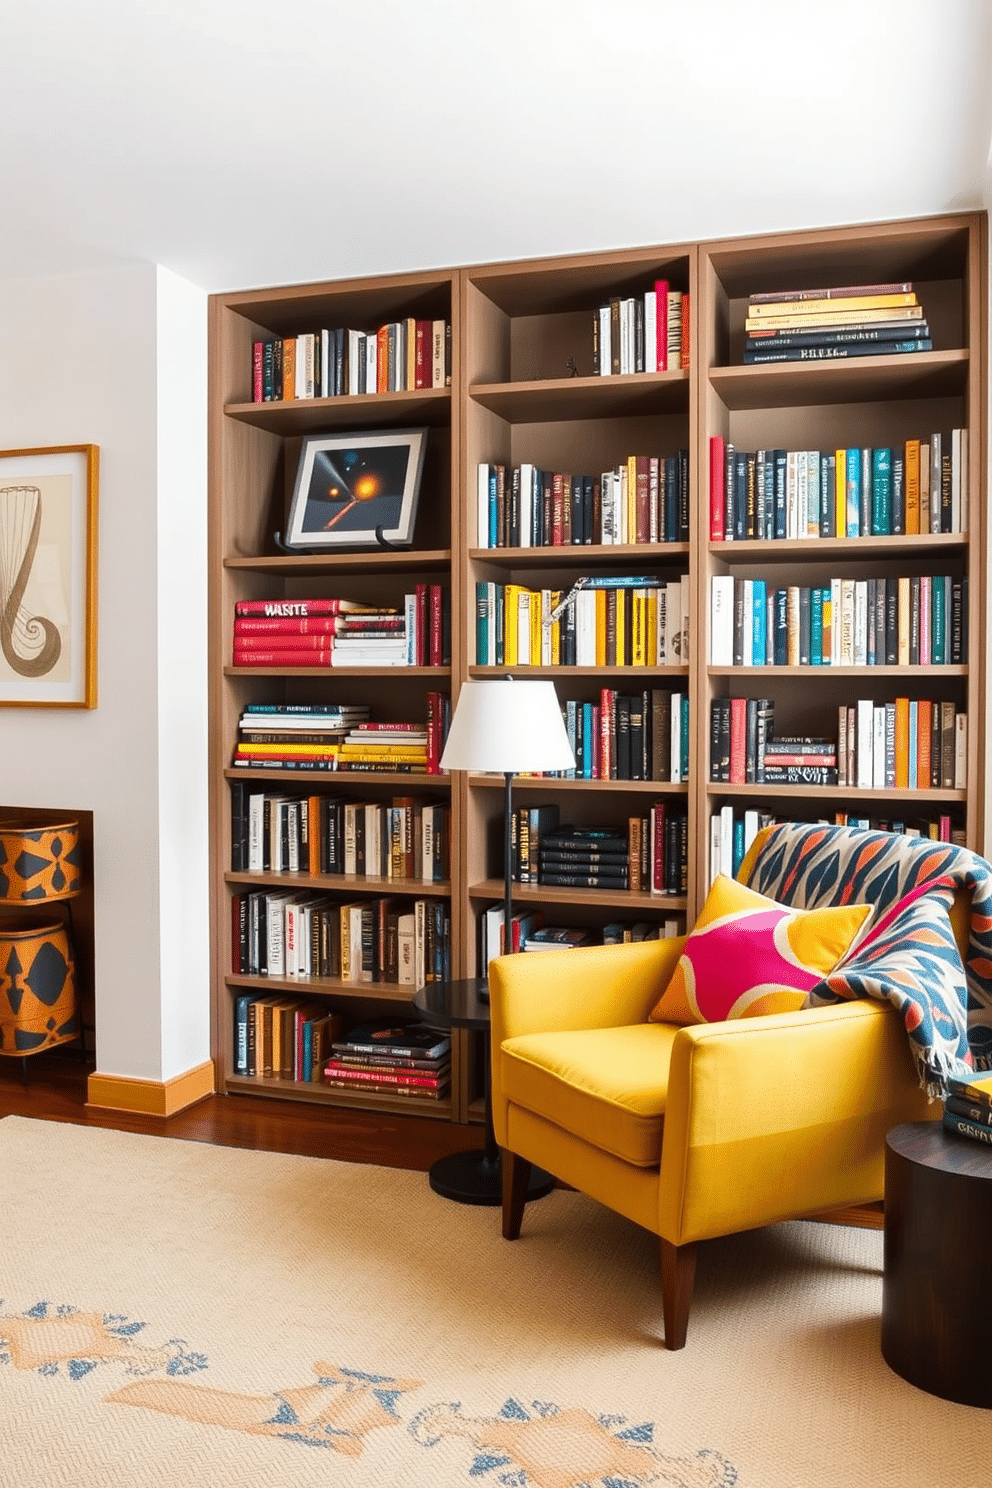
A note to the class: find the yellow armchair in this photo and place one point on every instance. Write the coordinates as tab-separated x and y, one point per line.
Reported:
692	1132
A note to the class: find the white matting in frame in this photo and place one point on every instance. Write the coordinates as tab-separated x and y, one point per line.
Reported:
48	551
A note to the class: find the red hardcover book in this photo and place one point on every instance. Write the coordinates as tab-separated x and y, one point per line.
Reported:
661	350
717	487
317	625
300	608
258	359
283	658
291	642
436	647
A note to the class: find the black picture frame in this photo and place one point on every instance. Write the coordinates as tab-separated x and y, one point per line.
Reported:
359	489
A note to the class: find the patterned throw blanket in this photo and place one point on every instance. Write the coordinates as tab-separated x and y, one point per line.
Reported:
908	954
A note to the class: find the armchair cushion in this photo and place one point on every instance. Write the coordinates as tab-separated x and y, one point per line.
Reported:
748	955
607	1086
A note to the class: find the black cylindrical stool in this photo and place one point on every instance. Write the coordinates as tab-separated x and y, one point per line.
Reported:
937	1286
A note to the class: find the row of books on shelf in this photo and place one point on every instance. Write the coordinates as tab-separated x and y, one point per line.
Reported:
894	620
629	736
408	837
400	356
302	933
530	933
732	832
345	633
902	744
646	332
286	1038
645	499
629	622
919	486
317	737
847	321
968	1107
648	853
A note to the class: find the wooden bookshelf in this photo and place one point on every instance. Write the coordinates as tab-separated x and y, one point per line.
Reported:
524	389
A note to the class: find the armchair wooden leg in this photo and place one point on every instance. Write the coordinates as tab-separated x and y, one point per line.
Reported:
678	1271
516	1176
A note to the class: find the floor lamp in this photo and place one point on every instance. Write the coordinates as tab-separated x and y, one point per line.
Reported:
509	726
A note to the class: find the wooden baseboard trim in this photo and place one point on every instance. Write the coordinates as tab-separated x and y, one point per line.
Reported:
151	1097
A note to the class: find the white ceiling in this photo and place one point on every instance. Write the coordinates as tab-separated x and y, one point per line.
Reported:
244	142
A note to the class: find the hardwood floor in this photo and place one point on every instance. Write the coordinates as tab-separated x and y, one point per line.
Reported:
56	1091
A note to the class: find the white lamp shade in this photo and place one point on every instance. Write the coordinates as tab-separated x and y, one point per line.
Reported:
507	725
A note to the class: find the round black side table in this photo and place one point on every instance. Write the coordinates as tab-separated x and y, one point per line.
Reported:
937	1278
470	1177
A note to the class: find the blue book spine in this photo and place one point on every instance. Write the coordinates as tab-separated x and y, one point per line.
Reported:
493	507
740	495
737	854
768	531
759	610
588	712
852	488
307	1051
781	627
816	627
881	492
780	474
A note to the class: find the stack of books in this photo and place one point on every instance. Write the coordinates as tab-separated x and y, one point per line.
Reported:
294	735
384	746
584	857
407	1059
968	1107
813	324
559	938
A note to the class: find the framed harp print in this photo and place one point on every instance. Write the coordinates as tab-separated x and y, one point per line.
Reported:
48	550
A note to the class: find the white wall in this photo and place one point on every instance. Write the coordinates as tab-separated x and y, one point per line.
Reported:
93	358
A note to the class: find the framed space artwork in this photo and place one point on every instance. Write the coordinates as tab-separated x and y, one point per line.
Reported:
357	490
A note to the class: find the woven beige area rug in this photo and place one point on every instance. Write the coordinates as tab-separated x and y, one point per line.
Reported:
177	1313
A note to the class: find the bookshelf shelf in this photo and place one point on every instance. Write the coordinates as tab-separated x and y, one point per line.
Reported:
361	411
932	374
365	1100
348	883
523	390
571	398
623	901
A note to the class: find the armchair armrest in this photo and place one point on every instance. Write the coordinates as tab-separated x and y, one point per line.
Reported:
593	987
781	1116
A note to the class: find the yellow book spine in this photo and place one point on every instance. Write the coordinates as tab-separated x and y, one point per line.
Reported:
912	476
638	628
556	598
621	625
600	627
846	302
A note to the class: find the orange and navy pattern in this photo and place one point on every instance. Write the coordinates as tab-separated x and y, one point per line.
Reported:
909	956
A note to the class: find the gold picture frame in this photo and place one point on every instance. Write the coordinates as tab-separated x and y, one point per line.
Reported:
48	572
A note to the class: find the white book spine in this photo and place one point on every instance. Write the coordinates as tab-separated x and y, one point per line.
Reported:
865	744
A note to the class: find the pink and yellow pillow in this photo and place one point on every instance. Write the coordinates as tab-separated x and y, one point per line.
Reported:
747	955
